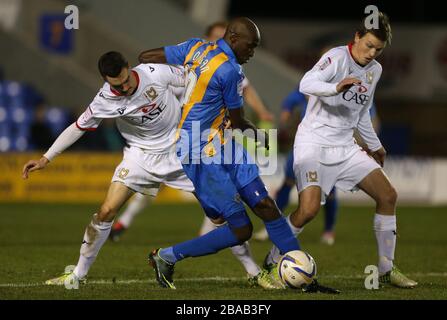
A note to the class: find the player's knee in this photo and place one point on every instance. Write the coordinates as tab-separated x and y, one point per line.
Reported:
218	221
267	210
389	197
393	196
107	213
243	233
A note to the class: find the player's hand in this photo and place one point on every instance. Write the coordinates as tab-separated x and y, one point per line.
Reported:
34	165
379	156
347	83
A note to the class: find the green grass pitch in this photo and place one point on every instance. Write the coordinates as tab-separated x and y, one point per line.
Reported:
37	241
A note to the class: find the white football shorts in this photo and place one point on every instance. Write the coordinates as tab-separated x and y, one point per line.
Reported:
144	171
343	167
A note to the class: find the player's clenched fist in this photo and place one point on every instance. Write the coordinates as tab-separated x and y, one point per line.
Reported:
34	165
347	83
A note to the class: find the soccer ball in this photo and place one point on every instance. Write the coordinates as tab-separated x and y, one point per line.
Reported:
297	269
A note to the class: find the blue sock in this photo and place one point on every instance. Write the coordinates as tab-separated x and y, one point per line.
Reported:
209	243
331	208
281	235
282	197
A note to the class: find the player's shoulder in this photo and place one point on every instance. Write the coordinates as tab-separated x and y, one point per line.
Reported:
148	68
230	68
340	52
333	56
106	94
192	41
375	65
158	73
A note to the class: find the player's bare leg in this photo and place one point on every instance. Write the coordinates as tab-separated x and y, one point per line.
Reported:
137	204
97	231
378	186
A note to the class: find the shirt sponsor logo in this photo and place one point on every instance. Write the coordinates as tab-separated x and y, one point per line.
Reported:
358	98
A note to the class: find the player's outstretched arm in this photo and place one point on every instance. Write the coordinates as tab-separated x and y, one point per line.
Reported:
69	136
153	56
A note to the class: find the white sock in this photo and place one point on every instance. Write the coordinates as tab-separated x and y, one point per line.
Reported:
274	255
243	253
207	226
137	204
95	235
385	229
295	230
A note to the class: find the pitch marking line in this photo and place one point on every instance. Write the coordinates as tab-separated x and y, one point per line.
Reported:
206	279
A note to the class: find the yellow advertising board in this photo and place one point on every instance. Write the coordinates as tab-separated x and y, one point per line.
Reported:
77	177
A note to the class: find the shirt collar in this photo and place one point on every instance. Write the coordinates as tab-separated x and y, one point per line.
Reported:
226	48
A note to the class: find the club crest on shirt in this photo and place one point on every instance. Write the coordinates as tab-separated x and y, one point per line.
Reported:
369	77
150	94
312	176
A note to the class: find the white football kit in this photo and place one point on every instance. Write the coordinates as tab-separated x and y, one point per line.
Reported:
148	122
325	152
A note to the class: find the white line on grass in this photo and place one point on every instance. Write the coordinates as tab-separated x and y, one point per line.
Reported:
205	279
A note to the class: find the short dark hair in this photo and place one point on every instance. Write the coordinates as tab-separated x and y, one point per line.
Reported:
382	33
218	24
111	63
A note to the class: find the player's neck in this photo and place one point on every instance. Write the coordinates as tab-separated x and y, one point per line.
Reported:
353	51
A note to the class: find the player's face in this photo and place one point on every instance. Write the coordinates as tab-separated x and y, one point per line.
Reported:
124	83
216	33
244	47
367	48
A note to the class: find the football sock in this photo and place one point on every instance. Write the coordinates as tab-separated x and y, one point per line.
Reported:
282	197
209	243
275	254
385	229
281	235
330	207
135	206
95	235
241	252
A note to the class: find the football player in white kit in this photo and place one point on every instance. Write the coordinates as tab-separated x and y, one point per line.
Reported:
341	88
146	112
143	101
